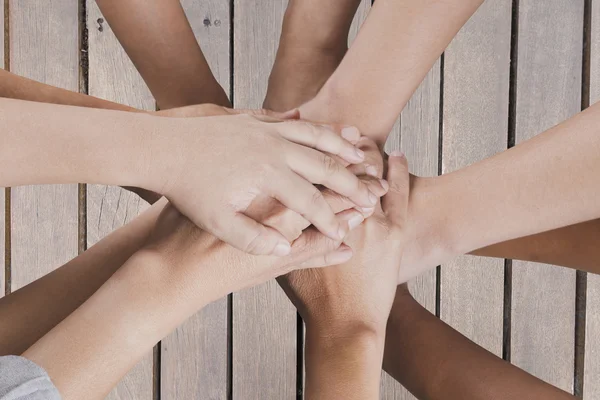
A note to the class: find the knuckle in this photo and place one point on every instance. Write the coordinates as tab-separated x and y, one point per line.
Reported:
330	166
256	244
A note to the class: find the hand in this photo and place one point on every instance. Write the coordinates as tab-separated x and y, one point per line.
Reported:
359	293
249	157
195	257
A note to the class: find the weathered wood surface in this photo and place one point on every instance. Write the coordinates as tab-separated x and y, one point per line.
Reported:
44	46
591	378
2	190
548	92
475	127
194	361
264	320
112	76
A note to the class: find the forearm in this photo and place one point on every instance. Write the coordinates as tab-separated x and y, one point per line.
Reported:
19	88
395	48
328	28
576	246
36	308
43	144
154	34
345	366
111	331
433	361
545	183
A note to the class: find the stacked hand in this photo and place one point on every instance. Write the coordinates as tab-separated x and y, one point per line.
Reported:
265	159
178	242
360	293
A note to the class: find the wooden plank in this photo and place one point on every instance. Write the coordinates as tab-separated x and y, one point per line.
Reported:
475	127
44	46
194	362
417	134
591	383
264	320
112	76
2	190
548	92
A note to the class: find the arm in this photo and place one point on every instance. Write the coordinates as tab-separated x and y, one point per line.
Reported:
395	48
155	34
175	157
574	246
346	306
180	270
19	88
435	362
542	184
36	308
311	46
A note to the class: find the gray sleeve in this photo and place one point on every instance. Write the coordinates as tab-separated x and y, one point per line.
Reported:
22	379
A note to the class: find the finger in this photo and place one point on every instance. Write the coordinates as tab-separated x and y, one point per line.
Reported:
323	138
313	245
339	256
304	198
373	163
254	238
395	203
319	168
291	224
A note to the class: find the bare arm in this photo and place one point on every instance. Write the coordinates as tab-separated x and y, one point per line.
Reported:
180	270
19	88
159	40
435	362
576	246
542	184
395	48
38	307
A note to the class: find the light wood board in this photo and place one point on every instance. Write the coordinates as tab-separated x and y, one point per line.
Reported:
44	46
591	378
475	127
112	76
194	361
264	320
548	92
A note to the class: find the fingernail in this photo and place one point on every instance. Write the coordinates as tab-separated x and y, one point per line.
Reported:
351	134
282	249
371	170
397	153
342	233
355	221
367	210
341	256
359	153
372	198
384	184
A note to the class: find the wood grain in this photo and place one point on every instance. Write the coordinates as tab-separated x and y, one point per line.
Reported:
44	47
548	92
475	127
416	134
2	190
113	77
591	383
194	361
264	320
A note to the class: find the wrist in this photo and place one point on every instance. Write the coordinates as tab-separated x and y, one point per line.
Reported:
431	235
330	330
